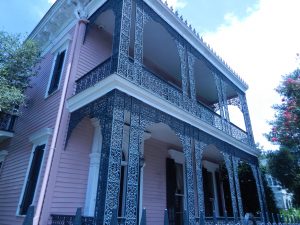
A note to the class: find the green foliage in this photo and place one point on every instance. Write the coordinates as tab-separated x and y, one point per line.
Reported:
284	167
290	213
17	65
286	125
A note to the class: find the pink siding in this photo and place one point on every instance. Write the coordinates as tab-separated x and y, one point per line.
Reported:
39	113
71	180
96	48
154	186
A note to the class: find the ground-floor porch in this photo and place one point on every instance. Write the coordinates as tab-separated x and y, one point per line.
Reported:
146	166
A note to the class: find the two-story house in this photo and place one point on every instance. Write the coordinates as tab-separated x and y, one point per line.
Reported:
128	119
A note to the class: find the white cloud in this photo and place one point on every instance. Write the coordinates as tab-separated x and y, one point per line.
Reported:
177	4
261	48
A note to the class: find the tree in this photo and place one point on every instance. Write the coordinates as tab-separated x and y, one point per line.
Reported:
18	62
284	167
286	125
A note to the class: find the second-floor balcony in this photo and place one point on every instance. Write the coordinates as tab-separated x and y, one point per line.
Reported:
156	85
7	122
158	60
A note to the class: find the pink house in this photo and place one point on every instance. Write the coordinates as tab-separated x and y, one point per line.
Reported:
132	118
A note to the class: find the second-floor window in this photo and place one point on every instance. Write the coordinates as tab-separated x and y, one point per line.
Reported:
57	71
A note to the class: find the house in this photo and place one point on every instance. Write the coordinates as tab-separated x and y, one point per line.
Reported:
131	110
283	198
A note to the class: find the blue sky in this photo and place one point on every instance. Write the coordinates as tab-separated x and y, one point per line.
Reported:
258	38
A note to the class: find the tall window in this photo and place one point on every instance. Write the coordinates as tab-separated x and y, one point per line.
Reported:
32	179
56	75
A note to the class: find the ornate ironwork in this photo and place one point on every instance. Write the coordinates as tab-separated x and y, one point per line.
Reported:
94	76
259	191
235	164
199	146
191	65
228	163
133	171
245	111
69	220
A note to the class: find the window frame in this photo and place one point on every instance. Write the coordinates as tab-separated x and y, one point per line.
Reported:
37	139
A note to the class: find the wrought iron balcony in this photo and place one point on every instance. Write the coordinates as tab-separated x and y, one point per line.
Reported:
165	90
7	122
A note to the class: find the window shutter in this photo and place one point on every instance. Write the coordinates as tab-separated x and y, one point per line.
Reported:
57	72
32	179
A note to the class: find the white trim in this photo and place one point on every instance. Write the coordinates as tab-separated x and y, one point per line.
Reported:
91	189
115	81
6	134
59	48
176	155
39	137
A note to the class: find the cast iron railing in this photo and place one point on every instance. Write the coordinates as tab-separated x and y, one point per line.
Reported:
7	121
69	220
165	90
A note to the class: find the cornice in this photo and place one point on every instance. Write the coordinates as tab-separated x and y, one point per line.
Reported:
60	18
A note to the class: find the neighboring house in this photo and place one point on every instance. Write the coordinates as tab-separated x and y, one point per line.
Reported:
283	198
130	110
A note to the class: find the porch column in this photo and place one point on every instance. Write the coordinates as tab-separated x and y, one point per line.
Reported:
245	111
140	20
183	66
187	150
121	39
199	146
191	73
260	191
91	190
228	164
133	170
235	163
112	123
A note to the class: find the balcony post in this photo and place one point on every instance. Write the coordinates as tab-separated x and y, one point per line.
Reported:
235	163
121	39
183	70
245	111
112	124
199	147
191	65
140	20
229	167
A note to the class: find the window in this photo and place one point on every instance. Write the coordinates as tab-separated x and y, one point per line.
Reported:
32	178
123	181
39	140
57	70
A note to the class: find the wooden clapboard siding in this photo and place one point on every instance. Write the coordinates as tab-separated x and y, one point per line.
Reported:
72	174
39	113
